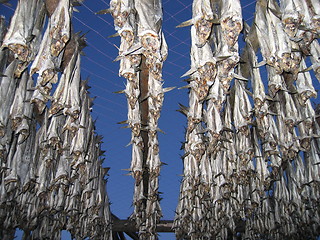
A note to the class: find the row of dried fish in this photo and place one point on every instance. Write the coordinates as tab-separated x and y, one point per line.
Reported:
250	171
214	54
52	177
141	53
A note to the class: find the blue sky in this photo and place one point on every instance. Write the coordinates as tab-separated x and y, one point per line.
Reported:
110	108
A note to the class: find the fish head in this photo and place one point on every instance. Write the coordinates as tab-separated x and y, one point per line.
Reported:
231	28
120	18
48	75
20	51
135	59
135	128
56	46
203	30
150	41
16	123
155	113
208	71
291	21
132	100
128	35
305	143
315	23
285	61
158	99
129	75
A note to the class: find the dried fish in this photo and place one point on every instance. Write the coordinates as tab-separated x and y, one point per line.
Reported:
41	96
275	81
54	132
23	29
242	109
144	38
251	171
231	21
44	64
214	124
7	89
60	27
311	15
304	86
315	54
72	101
16	110
120	11
259	95
288	109
291	16
61	94
202	19
35	144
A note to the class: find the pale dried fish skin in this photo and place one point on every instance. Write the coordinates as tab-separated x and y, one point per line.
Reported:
60	27
21	29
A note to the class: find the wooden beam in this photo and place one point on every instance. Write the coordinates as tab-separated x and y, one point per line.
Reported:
132	234
144	112
120	225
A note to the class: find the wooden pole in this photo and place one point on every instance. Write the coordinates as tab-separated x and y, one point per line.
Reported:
144	110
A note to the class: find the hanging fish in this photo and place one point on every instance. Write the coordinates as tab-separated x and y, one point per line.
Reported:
315	54
61	94
203	17
23	29
44	64
304	86
231	21
60	27
17	107
7	89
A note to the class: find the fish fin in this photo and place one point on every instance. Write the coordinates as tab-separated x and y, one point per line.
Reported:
306	69
123	122
118	58
248	92
104	11
239	77
114	35
183	87
185	23
121	91
189	72
168	89
260	64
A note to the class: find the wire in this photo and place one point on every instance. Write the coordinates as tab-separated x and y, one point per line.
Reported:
172	16
93	30
97	15
8	7
98	76
98	50
102	66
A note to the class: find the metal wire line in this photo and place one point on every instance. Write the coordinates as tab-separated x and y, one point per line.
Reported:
98	50
106	39
172	16
110	24
104	67
186	56
168	34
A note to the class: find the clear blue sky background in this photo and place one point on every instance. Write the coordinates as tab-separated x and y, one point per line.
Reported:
110	108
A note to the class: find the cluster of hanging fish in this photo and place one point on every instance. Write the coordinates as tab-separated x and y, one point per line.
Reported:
251	162
51	176
141	54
